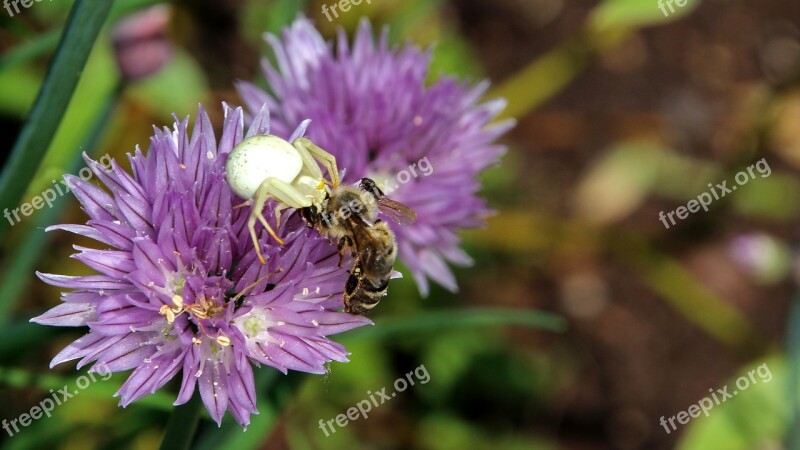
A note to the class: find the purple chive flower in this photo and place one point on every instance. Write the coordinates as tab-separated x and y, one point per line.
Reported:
179	288
372	110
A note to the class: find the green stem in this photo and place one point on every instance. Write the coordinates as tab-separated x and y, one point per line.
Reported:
83	26
274	391
19	266
182	425
542	79
436	321
793	349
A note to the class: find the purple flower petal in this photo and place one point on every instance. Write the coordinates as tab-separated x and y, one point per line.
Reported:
67	315
214	390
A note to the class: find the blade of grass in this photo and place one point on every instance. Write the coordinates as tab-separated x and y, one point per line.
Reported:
274	391
691	298
435	321
793	350
278	389
44	43
182	425
83	26
100	388
610	24
22	334
542	79
675	285
30	50
19	266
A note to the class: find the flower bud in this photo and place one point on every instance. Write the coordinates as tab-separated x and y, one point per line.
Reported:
140	42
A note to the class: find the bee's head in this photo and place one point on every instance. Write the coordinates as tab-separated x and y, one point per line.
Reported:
369	185
310	215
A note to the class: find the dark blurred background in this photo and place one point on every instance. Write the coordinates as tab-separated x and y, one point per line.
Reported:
622	113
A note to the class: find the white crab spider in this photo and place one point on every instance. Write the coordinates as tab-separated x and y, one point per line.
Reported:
265	166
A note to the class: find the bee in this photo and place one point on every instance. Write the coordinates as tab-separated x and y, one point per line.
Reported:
265	166
350	217
369	279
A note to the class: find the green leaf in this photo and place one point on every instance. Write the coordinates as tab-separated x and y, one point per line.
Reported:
22	334
434	321
691	298
257	20
637	13
279	388
793	397
83	27
101	387
753	418
29	50
17	276
618	183
776	197
443	431
274	391
44	43
542	79
182	425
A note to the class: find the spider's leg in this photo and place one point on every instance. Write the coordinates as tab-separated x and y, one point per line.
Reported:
281	191
311	152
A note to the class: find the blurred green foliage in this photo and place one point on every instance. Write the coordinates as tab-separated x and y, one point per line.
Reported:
495	383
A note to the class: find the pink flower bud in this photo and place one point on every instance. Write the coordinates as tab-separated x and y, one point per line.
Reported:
140	43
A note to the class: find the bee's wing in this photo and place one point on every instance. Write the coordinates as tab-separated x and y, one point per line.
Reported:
397	211
365	237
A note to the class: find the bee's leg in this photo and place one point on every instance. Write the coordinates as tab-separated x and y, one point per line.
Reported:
344	241
311	152
283	192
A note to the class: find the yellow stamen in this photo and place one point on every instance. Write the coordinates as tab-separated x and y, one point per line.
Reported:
166	311
178	301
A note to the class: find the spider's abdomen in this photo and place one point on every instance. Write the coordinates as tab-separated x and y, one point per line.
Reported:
260	157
